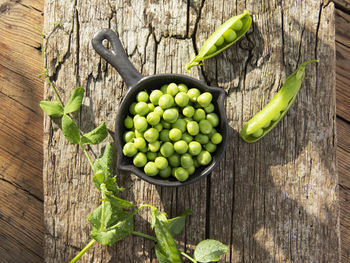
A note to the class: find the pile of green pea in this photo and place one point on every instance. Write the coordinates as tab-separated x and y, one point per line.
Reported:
171	131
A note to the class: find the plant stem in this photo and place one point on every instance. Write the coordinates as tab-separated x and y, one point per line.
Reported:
144	235
87	156
188	257
82	252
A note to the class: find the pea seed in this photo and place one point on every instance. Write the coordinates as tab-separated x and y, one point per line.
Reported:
171	115
209	108
153	118
186	137
158	127
219	42
155	95
267	125
164	135
151	156
191	169
142	96
180	124
174	160
202	139
164	88
151	135
144	150
175	134
199	115
165	173
151	169
216	138
192	128
180	174
140	143
141	108
161	163
150	107
159	111
212	49
193	94
182	99
166	101
128	136
140	124
229	35
188	111
172	89
210	147
165	124
180	147
140	160
186	160
205	126
257	133
237	26
213	118
154	146
204	99
129	149
276	117
132	108
167	149
204	158
138	134
194	148
182	87
128	122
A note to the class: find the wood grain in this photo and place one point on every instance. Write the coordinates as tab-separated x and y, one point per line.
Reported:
270	201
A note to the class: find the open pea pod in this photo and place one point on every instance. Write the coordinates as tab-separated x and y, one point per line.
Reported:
226	35
264	121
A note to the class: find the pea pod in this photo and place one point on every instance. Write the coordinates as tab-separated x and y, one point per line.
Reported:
166	243
226	35
264	121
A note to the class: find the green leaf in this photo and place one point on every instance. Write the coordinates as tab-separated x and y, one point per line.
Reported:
160	256
75	101
95	136
52	108
209	250
176	224
70	130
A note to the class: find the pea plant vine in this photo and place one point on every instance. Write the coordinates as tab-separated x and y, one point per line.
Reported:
113	219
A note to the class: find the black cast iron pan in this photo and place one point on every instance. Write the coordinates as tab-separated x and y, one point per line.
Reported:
135	83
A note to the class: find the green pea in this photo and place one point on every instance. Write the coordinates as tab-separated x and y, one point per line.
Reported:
186	160
155	96
210	108
194	148
204	158
129	149
136	116
191	169
188	111
229	35
166	125
212	132
216	138
158	127
193	94
224	32
204	99
180	147
220	41
166	101
139	143
164	88
182	99
153	118
260	124
159	111
128	136
213	118
144	150
237	26
182	88
175	134
257	133
128	122
151	169
212	50
165	173
196	163
140	124
187	120
205	126
192	128
140	159
174	160
154	146
164	135
171	115
151	156
210	147
201	138
186	137
141	108
180	124
172	89
132	108
161	162
150	107
180	174
199	115
142	96
167	149
151	135
138	134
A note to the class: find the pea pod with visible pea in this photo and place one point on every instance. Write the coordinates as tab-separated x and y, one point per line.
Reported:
225	36
265	120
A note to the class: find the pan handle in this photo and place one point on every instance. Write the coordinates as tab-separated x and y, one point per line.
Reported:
116	56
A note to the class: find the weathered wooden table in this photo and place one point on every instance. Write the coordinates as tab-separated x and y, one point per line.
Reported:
269	200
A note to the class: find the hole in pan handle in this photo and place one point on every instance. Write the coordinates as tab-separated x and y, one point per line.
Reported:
116	56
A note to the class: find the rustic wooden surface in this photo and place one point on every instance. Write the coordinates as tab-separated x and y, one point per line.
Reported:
21	228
